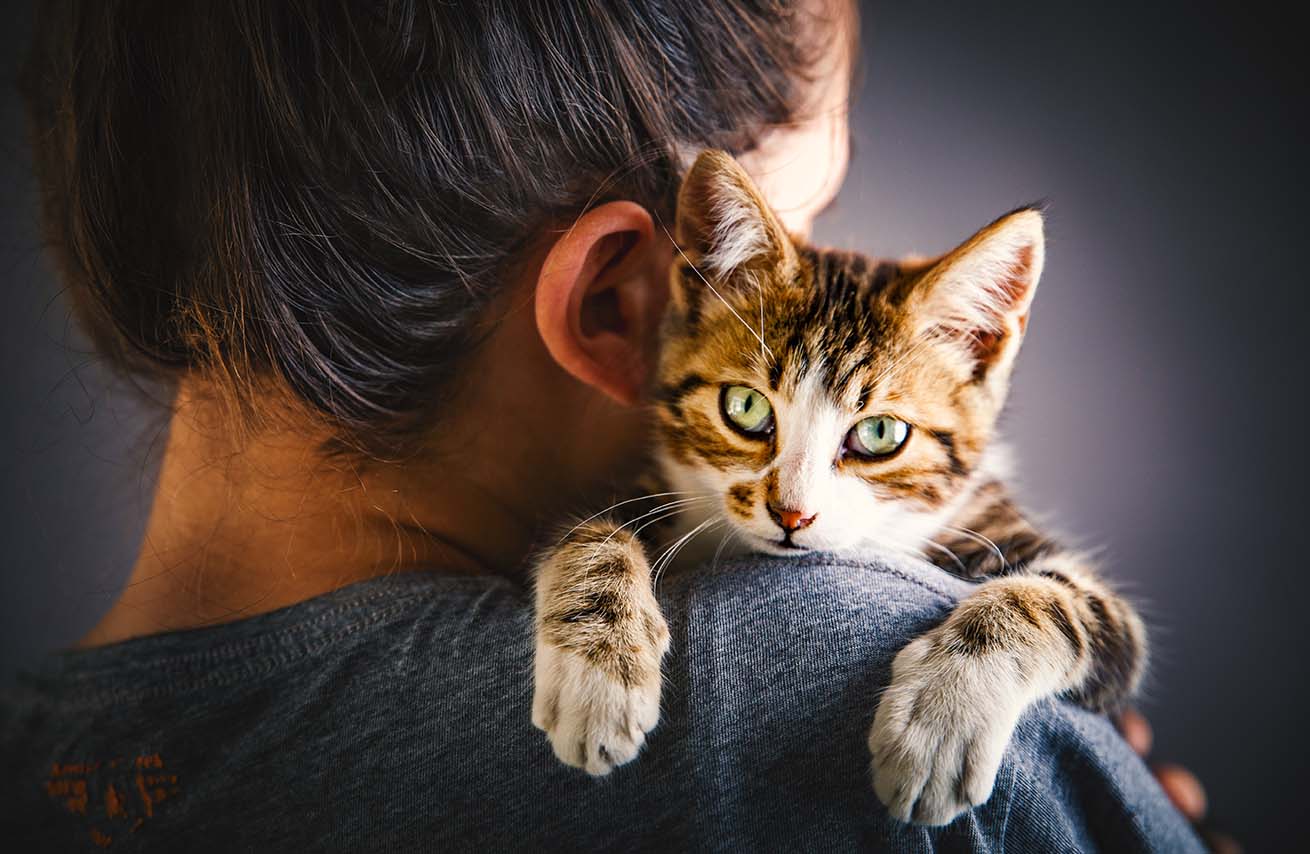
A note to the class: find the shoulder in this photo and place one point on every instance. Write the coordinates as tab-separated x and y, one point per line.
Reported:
1072	776
882	600
786	660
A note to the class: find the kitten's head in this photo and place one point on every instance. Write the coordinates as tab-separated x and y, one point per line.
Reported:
826	399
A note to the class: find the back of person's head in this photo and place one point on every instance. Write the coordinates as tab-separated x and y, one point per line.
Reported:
322	198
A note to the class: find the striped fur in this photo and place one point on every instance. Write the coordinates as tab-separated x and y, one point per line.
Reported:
831	338
600	638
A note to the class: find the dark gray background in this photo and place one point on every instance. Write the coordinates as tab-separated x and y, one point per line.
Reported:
1157	409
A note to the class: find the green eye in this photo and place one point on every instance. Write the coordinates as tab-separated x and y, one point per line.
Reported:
878	436
747	410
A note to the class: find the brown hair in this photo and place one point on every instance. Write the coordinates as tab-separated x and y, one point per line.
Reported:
324	195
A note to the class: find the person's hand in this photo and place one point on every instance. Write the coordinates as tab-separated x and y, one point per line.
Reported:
1179	784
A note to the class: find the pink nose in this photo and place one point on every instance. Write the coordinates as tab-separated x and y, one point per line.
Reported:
792	520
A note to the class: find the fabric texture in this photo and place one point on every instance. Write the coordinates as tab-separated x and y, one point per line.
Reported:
394	715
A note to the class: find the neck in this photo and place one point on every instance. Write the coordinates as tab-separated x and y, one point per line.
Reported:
239	531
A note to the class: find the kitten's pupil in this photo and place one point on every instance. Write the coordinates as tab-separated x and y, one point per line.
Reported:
746	410
878	436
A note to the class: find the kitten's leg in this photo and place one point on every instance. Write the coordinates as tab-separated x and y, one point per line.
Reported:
1046	627
992	537
600	639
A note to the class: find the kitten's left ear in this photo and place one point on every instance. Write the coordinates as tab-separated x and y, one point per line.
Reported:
725	226
977	297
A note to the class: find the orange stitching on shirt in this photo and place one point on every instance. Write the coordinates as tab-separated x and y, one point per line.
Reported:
145	796
74	786
113	805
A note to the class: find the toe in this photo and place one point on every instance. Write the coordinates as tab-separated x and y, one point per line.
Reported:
568	743
611	751
981	763
545	708
898	781
646	710
939	802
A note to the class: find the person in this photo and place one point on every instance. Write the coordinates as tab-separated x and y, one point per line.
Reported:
401	267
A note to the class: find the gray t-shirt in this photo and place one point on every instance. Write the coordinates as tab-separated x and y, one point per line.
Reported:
394	715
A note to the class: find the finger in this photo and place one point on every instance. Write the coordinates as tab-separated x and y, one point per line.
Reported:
1220	843
1182	787
1136	731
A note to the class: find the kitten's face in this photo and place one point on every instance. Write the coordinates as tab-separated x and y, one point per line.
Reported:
824	400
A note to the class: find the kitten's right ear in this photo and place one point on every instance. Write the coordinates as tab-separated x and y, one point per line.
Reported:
725	226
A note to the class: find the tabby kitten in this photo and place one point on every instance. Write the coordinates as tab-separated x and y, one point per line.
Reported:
813	400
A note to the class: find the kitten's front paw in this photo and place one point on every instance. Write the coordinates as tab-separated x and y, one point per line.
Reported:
940	731
594	722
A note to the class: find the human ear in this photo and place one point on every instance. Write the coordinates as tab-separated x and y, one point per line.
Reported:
599	299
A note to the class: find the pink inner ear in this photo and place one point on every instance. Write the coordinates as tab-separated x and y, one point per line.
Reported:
986	344
1016	287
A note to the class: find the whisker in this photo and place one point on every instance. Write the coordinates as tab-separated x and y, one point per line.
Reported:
758	335
596	516
979	538
964	570
658	519
896	546
681	502
666	558
732	534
